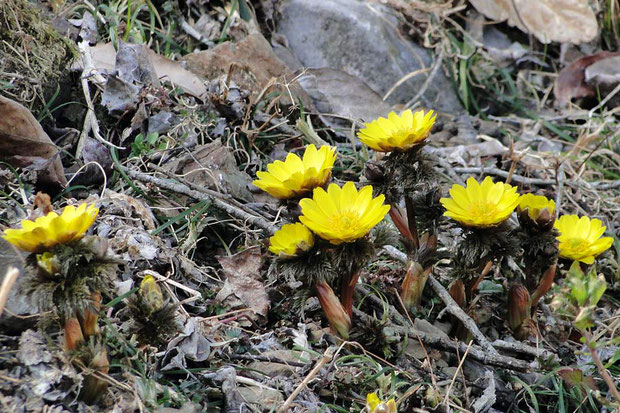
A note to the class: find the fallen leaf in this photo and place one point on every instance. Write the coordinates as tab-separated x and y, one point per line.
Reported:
564	21
243	287
252	64
104	58
24	144
571	82
190	344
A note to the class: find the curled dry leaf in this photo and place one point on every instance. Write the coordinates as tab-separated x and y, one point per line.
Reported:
564	21
24	144
572	82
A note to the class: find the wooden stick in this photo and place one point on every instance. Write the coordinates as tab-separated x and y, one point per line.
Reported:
326	358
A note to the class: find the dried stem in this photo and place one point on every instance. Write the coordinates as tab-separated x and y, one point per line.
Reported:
451	306
222	204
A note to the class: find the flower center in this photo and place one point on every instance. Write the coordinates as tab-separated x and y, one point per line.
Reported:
482	209
578	244
345	221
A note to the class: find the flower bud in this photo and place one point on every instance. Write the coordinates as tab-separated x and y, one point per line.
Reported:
336	315
88	317
536	213
94	386
518	306
73	334
413	285
151	294
48	263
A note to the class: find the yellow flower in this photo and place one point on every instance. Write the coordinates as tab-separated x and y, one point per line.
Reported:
291	240
580	238
295	176
481	205
53	229
397	132
375	405
342	214
536	212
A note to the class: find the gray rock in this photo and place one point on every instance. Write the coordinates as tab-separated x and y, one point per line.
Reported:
362	39
336	92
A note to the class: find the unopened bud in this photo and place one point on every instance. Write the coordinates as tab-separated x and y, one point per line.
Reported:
73	334
94	386
536	213
48	263
151	294
335	313
88	317
518	306
413	285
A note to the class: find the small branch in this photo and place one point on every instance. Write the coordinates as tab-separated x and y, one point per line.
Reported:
226	206
476	352
601	368
451	306
326	358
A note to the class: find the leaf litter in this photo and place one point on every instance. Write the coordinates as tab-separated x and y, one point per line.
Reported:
178	203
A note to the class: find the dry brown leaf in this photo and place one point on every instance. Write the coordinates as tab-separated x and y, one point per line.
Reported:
564	21
571	83
243	287
104	58
24	143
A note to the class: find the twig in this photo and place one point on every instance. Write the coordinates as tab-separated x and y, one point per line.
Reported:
476	352
458	368
602	186
522	348
428	80
207	191
7	284
451	306
232	210
326	358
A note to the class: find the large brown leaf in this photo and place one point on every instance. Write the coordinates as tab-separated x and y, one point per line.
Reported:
23	143
564	21
571	82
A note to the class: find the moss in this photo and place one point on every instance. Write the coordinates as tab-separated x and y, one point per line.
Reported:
34	54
